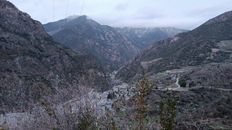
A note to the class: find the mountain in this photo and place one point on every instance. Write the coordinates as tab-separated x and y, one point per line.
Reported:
144	37
34	68
196	67
89	37
209	43
45	86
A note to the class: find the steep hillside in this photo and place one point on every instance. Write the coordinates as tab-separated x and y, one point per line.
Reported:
34	68
195	66
144	37
209	43
89	37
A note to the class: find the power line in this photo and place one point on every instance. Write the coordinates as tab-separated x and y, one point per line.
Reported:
66	8
82	6
53	9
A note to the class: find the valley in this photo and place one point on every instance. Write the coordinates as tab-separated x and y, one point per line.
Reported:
75	71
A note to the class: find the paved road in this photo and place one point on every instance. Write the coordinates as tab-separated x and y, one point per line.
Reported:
213	88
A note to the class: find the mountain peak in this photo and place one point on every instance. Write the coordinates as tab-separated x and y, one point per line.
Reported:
71	17
6	4
221	18
90	37
69	22
75	17
18	22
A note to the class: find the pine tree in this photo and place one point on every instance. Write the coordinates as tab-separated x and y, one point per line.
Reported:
144	88
168	112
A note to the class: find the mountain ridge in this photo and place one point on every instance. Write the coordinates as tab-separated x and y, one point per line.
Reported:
196	67
101	41
144	37
200	46
35	68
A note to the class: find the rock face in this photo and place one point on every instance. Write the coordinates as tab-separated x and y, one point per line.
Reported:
34	68
89	37
209	43
144	37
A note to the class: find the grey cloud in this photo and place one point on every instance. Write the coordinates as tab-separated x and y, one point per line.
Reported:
178	13
121	6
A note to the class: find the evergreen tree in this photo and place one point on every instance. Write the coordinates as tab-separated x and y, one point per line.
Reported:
144	88
168	112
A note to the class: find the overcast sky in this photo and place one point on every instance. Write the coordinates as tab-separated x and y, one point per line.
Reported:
186	14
